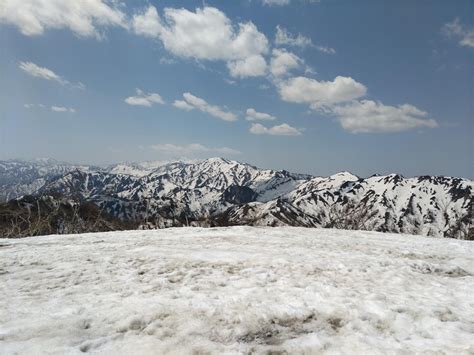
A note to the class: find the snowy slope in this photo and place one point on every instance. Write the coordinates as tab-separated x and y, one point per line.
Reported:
426	205
136	169
236	290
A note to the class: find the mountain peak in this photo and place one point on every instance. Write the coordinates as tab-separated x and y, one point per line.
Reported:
344	174
219	160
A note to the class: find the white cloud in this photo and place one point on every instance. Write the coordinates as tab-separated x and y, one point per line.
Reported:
62	109
194	149
280	130
47	74
144	99
230	81
284	38
309	70
52	108
147	23
327	50
283	62
33	106
40	72
456	29
251	66
368	116
275	2
283	2
319	94
191	101
206	34
59	109
338	97
183	105
253	115
83	18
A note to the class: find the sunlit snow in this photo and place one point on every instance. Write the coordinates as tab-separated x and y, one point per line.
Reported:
236	290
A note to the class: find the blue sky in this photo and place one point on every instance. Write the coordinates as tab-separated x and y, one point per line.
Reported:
314	87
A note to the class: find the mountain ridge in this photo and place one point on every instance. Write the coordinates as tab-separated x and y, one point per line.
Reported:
219	191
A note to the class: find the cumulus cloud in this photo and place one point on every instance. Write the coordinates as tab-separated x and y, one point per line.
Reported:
47	74
194	149
147	23
280	130
193	102
368	116
462	33
251	66
319	94
285	38
283	62
144	99
206	34
253	115
339	98
83	18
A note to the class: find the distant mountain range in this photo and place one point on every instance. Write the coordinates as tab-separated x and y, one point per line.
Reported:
218	192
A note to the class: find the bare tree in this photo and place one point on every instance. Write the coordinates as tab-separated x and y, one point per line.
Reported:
351	215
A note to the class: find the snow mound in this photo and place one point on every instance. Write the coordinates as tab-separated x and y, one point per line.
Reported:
236	290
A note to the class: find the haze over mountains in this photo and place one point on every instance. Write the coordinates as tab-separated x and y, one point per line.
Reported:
221	192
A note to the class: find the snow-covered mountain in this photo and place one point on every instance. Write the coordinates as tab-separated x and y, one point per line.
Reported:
223	192
20	177
427	205
176	192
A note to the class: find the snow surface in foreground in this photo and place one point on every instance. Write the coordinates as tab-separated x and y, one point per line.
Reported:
236	290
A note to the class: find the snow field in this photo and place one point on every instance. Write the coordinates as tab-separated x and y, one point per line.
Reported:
236	290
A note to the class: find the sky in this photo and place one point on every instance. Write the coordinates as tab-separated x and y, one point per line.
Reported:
309	86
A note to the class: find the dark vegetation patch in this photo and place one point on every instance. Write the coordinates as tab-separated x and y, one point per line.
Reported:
42	215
